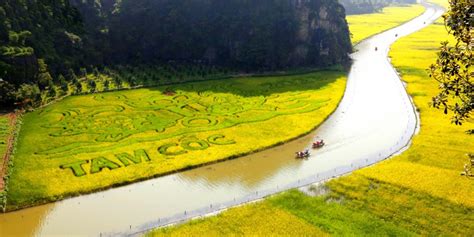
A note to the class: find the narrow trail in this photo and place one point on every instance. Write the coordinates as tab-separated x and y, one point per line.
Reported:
375	119
10	142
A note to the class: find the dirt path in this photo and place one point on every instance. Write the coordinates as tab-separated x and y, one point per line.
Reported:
10	141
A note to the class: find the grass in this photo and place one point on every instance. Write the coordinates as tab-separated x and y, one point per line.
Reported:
366	25
91	142
419	192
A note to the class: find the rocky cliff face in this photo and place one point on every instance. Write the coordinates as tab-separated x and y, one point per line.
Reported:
323	33
254	35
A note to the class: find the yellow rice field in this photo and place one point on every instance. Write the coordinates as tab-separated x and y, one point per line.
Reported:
366	25
92	142
245	221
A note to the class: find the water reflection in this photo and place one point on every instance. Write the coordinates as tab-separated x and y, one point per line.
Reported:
23	223
258	167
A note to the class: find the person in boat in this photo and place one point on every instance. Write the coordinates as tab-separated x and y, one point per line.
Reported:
318	144
302	154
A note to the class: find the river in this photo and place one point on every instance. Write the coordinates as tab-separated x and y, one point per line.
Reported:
375	119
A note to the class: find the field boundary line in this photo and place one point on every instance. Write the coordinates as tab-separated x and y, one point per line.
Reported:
7	166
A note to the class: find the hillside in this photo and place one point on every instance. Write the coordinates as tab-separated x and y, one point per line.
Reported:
45	44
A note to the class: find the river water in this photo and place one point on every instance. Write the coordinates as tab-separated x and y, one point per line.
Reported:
374	120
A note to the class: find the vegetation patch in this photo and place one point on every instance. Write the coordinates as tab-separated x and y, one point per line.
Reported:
90	142
367	25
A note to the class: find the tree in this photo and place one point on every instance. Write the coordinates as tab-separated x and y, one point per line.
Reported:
52	92
453	68
106	85
83	72
133	81
28	95
7	95
63	84
107	71
44	78
92	86
118	82
71	76
96	72
78	86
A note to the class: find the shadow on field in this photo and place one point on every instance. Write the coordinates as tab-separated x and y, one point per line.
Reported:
259	85
413	71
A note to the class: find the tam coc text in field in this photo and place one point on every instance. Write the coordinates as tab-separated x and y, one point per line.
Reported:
122	160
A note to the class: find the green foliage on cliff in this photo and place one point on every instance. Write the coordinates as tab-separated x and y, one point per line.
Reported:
37	39
37	29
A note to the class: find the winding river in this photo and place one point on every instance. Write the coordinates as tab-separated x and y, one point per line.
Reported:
374	120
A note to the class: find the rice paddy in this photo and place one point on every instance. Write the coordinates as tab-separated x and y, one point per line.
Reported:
247	220
420	192
366	25
91	142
